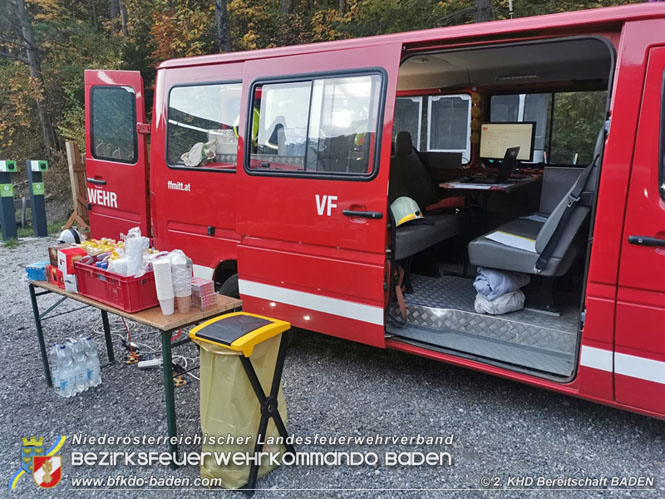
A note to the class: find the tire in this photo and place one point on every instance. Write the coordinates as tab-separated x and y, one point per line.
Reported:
230	287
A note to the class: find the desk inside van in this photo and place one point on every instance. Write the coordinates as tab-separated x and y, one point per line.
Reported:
509	186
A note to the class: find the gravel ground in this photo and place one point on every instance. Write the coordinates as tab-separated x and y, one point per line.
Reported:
333	388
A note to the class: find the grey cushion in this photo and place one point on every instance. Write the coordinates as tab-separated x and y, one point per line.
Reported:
557	181
415	237
487	253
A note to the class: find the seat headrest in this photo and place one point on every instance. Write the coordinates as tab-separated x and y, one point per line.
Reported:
403	144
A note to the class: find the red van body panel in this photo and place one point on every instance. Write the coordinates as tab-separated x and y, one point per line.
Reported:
329	273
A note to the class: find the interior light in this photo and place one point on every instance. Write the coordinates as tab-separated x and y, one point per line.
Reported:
420	60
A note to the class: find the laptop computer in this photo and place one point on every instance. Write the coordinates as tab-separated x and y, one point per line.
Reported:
504	170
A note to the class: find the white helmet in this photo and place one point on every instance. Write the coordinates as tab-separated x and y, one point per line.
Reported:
404	210
70	236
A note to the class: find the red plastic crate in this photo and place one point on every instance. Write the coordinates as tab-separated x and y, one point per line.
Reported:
130	294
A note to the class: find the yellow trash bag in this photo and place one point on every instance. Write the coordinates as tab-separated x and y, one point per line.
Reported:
229	407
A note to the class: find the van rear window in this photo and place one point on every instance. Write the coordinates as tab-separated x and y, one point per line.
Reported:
202	129
318	126
113	124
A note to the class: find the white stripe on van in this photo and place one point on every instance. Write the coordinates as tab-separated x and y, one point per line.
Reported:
639	367
202	271
624	364
311	301
597	358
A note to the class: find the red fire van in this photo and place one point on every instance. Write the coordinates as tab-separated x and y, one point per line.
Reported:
276	170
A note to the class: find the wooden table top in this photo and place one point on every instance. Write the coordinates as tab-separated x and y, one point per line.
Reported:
153	316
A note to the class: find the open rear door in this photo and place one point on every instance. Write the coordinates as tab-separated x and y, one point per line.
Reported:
116	156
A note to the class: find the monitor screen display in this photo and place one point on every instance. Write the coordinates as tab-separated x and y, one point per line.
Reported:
495	138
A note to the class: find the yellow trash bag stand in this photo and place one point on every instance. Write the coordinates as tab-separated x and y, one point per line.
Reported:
233	399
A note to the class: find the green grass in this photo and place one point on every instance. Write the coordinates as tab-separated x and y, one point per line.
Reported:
12	244
52	228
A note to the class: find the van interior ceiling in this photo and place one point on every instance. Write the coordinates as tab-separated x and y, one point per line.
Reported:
555	92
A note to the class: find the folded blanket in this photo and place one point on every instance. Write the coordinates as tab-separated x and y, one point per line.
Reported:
509	302
492	283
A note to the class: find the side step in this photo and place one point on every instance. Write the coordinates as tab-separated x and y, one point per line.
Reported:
530	357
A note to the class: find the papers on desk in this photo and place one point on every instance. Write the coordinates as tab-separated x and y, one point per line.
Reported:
467	185
512	240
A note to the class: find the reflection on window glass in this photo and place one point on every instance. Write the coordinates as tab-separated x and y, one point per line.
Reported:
449	117
114	124
319	126
408	111
202	126
577	119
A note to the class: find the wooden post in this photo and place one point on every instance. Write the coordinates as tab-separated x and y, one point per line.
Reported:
79	216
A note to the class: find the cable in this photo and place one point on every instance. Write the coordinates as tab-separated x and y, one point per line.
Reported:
129	340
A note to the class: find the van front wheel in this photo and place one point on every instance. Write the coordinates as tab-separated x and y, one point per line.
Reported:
230	287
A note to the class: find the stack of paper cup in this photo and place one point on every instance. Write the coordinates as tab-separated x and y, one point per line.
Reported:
164	285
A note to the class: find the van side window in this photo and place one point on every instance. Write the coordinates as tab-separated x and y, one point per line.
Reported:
408	117
113	124
567	123
443	125
318	126
448	124
202	129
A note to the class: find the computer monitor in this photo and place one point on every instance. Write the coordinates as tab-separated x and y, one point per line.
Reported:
496	138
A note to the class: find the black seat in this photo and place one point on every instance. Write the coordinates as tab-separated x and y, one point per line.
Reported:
410	177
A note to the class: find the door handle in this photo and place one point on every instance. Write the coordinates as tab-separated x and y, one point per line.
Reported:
374	215
646	241
96	181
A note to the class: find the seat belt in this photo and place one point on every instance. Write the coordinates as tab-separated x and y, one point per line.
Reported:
574	196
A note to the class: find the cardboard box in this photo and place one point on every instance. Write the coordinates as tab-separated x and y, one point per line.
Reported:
59	279
67	257
70	283
53	252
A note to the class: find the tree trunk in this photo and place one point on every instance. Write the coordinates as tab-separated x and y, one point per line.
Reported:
341	7
35	66
93	13
123	17
483	11
222	31
285	7
114	9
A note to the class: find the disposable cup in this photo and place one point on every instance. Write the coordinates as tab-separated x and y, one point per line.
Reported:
167	305
184	303
163	280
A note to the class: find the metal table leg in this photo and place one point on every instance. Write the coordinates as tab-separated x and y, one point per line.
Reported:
107	335
40	335
167	367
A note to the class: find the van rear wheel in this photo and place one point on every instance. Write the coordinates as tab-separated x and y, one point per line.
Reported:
230	287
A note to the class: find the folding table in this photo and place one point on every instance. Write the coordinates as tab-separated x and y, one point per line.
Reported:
152	317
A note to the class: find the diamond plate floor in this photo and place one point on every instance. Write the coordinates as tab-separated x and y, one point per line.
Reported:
440	312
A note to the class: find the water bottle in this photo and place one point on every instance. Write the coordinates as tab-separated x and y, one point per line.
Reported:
92	361
79	368
56	369
65	372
